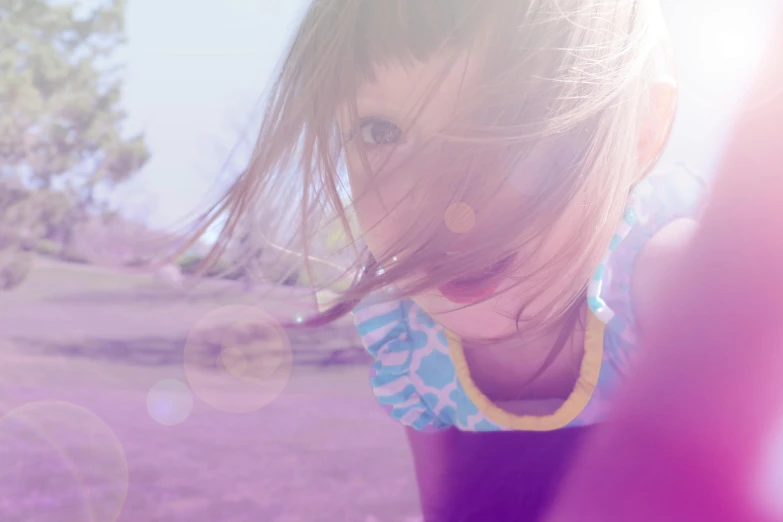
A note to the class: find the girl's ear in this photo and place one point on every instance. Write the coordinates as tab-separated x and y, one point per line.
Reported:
656	125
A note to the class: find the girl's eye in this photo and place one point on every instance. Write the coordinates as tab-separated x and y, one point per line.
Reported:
380	132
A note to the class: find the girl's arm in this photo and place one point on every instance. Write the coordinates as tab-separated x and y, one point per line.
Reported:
692	429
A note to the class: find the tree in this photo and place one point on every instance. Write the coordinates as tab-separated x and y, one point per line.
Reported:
61	123
60	111
23	217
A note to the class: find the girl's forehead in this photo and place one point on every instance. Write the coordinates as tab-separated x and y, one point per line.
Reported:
437	87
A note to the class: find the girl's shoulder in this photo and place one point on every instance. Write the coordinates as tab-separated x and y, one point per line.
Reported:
666	208
670	216
656	264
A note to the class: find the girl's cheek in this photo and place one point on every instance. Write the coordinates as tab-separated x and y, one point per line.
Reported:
381	194
382	231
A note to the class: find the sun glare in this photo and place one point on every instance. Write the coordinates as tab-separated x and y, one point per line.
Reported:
723	46
733	38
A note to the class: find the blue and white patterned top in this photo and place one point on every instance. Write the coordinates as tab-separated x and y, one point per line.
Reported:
420	375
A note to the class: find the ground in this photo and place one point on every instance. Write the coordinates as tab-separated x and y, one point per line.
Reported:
81	347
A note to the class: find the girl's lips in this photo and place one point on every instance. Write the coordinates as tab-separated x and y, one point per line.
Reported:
473	288
461	295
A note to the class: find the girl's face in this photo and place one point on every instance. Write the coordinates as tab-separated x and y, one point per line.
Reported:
385	207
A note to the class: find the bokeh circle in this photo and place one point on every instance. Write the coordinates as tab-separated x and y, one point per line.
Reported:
169	402
60	463
238	358
460	217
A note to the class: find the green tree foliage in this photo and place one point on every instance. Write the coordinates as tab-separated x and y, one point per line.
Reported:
61	123
60	108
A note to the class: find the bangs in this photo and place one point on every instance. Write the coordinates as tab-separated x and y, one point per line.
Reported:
409	31
526	53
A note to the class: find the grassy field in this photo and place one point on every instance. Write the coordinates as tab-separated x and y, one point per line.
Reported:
80	349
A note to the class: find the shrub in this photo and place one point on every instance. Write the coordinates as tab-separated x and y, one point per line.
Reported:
48	248
292	279
189	264
15	265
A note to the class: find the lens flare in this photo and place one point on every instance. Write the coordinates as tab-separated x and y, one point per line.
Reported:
460	217
722	47
61	462
170	402
238	359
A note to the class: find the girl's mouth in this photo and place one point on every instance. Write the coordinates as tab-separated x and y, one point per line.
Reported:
478	285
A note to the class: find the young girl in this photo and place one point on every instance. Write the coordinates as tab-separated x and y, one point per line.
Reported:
491	161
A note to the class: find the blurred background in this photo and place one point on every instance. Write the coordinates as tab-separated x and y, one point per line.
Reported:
119	121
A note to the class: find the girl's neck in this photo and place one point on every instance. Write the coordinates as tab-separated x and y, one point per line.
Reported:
513	368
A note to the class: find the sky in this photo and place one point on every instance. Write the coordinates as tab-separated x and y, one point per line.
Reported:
197	69
195	72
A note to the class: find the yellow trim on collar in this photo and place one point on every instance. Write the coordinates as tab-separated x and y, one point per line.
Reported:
571	407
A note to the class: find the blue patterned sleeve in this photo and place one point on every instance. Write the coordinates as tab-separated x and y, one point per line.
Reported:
386	334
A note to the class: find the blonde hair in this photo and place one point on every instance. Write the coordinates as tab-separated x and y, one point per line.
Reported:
572	73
